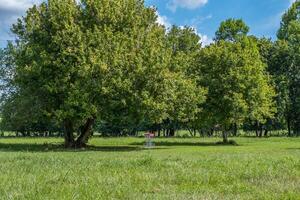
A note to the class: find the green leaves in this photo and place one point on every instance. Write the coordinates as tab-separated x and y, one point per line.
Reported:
291	16
285	61
105	58
238	85
110	60
231	30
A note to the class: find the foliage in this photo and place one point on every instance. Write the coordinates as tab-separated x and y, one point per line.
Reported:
288	62
108	66
231	30
92	61
239	87
292	15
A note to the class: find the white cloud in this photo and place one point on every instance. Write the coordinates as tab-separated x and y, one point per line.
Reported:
15	5
163	20
10	11
205	40
187	4
292	1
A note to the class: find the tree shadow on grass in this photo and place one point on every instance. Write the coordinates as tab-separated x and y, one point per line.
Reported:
194	144
26	147
293	148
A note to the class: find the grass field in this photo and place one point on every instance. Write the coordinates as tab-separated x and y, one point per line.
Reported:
120	168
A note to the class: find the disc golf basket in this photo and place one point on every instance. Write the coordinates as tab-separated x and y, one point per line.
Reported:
149	140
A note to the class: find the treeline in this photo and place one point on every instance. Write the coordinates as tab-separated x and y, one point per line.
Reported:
108	66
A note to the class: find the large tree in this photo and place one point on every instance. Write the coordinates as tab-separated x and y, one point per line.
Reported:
184	44
292	74
88	60
290	16
287	62
238	85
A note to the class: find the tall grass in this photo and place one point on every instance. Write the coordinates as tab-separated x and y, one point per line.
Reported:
121	168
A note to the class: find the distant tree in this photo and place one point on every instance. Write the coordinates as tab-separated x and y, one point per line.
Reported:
287	61
17	113
270	55
7	71
231	30
293	75
238	85
290	16
20	115
184	44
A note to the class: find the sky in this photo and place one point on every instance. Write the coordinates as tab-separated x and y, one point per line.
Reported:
262	16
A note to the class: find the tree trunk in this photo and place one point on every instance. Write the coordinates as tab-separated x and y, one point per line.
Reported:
85	134
212	131
23	133
225	136
172	132
191	132
68	134
257	127
201	133
260	131
289	127
266	132
235	130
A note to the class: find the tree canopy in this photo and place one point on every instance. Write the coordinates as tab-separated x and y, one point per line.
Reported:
231	30
109	65
89	60
239	87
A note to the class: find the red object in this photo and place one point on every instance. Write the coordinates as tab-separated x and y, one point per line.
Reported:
149	135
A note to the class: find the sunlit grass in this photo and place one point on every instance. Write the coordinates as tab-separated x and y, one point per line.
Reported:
121	168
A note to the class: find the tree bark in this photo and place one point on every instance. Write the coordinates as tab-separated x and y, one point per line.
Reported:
289	127
172	132
212	131
225	136
266	132
191	132
167	132
235	130
260	131
68	134
86	132
257	127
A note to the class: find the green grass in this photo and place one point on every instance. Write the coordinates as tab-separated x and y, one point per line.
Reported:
120	168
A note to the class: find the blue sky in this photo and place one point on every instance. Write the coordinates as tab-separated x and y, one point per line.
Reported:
263	16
